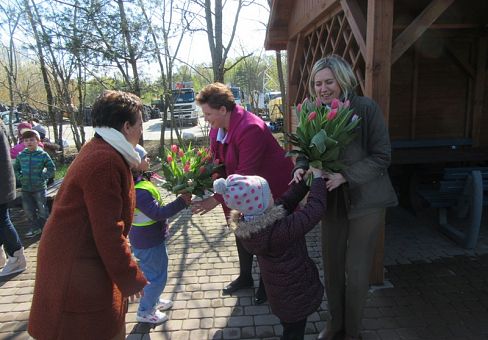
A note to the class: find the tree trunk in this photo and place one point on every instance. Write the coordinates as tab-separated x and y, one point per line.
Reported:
45	77
130	48
281	79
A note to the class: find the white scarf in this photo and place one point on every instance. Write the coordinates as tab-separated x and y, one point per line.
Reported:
118	141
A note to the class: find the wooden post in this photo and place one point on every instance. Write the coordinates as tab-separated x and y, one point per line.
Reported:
479	90
377	86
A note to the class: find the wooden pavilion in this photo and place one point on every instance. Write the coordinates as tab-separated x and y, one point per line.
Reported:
423	61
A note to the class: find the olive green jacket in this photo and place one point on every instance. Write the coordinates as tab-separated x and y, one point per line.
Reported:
366	161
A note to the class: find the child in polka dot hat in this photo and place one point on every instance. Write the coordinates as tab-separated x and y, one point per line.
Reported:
248	194
275	233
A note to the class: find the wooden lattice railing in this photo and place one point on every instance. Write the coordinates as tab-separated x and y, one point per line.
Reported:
333	36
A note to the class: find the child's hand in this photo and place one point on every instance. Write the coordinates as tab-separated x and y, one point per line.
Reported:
186	197
298	175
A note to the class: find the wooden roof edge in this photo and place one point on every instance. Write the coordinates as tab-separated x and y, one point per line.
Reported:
276	40
284	24
274	32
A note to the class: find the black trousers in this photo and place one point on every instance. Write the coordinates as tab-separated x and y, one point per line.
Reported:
245	264
294	330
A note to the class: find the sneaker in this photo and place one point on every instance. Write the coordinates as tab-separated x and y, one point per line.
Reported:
164	304
156	317
15	264
2	257
33	233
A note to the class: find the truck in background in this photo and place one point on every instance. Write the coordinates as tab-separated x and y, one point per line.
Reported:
238	95
184	106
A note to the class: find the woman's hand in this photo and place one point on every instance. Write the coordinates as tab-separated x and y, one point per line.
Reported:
334	180
204	206
136	296
297	176
317	173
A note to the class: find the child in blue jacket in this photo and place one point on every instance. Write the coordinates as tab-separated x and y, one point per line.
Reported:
148	240
33	167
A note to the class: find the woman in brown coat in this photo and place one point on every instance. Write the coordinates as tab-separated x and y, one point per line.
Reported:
85	272
357	198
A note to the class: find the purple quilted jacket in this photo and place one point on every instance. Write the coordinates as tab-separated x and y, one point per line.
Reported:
277	238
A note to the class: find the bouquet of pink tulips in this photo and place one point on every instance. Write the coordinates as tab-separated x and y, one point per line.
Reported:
323	131
189	170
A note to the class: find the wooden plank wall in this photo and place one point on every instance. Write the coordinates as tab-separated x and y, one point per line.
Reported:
433	87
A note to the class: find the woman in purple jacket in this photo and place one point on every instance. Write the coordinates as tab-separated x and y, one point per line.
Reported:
243	143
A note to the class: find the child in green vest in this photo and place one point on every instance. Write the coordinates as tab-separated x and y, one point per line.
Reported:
148	240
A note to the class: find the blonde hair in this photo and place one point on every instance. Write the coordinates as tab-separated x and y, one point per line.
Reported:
341	70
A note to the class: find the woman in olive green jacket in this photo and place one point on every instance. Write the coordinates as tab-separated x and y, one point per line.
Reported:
356	201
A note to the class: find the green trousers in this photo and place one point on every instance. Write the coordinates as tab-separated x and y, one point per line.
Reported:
348	248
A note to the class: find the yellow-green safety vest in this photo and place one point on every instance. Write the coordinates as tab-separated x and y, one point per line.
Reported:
140	219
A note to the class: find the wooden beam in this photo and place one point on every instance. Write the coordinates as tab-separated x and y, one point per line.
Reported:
415	90
307	13
357	22
377	86
454	53
276	39
444	27
418	26
479	89
294	49
378	56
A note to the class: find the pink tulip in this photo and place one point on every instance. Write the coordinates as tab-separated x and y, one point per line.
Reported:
347	103
202	170
186	168
181	153
169	159
331	115
335	104
174	148
299	108
199	153
312	116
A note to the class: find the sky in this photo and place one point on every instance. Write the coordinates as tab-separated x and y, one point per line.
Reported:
250	34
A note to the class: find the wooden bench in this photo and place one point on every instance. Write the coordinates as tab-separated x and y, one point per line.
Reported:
52	190
451	143
464	192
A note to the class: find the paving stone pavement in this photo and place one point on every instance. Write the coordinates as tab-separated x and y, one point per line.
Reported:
433	289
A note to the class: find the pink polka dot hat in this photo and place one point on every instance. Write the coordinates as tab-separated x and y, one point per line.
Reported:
248	194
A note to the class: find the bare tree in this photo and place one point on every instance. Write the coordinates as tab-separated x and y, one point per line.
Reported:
281	79
43	68
12	17
172	24
218	49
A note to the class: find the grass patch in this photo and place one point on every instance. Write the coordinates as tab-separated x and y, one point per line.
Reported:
61	169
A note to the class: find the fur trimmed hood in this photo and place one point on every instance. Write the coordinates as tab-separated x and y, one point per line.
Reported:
245	229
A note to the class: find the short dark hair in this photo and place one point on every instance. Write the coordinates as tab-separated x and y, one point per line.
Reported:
31	133
216	95
114	108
